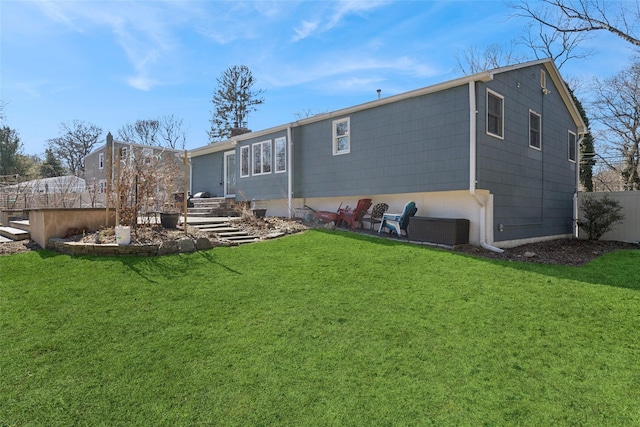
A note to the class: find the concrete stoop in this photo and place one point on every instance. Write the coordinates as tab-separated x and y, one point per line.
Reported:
16	230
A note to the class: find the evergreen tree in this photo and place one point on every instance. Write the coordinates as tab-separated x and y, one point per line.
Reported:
9	150
51	165
233	101
586	160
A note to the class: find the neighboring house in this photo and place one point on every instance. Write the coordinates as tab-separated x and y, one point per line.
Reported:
98	161
498	148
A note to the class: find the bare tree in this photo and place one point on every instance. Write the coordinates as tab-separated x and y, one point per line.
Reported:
76	141
165	131
616	107
233	100
308	112
143	132
559	46
172	132
475	60
583	16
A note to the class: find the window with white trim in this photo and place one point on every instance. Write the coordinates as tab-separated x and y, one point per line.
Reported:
572	146
261	157
124	155
244	161
495	114
101	161
341	136
147	154
535	135
103	186
281	154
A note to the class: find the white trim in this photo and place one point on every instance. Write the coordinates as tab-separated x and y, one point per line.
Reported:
261	144
248	150
539	130
497	95
100	161
226	174
473	123
283	141
290	173
336	137
575	146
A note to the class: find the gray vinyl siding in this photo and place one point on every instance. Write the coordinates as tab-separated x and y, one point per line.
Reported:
533	189
415	145
93	174
208	174
265	186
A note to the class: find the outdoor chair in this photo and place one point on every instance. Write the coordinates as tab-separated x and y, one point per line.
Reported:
376	214
396	223
353	217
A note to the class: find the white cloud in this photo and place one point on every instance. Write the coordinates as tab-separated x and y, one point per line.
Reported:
143	30
305	30
352	70
332	14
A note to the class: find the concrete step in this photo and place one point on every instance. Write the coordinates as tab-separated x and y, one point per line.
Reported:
5	240
21	224
14	233
232	233
217	230
243	239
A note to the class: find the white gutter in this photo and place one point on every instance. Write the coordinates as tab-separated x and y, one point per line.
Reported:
576	231
290	172
472	169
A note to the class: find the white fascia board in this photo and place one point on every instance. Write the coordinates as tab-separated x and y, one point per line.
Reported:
212	148
566	96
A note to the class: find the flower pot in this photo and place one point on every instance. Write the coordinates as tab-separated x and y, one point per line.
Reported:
169	219
123	234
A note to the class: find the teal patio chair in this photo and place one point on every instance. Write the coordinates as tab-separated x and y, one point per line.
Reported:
396	223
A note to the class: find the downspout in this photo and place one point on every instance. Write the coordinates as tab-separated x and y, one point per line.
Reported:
472	169
290	172
576	230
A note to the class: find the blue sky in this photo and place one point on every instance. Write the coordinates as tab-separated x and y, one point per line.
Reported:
113	62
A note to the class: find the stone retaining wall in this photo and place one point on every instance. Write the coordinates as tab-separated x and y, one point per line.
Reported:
185	245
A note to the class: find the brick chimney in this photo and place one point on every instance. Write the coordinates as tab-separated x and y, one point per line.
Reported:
239	131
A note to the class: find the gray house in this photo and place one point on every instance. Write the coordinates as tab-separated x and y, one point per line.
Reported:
498	148
97	164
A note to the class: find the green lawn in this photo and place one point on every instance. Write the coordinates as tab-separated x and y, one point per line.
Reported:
321	328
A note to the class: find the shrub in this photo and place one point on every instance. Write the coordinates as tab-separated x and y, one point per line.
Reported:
599	215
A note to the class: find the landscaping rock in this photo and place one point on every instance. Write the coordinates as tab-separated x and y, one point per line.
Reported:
186	245
168	247
202	244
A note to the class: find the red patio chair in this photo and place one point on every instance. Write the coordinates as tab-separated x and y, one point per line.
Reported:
352	217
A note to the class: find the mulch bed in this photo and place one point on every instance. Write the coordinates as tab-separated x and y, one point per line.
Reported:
560	251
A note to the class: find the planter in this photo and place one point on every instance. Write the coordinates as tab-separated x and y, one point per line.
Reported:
123	234
169	219
259	213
